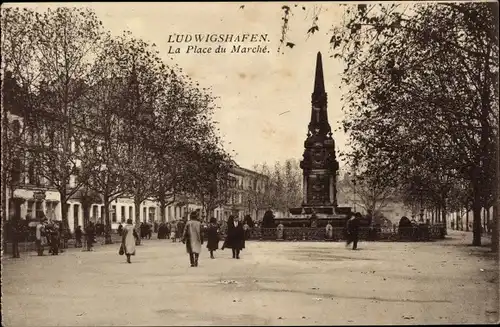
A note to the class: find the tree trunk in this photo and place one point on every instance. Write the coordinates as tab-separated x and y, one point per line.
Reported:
483	225
445	223
64	208
15	225
461	219
107	224
5	159
494	225
137	208
86	205
467	220
488	223
476	214
163	206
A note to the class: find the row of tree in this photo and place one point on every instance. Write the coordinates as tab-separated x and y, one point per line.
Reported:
282	187
103	116
422	102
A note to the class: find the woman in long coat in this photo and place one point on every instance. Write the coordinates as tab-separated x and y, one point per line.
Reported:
129	238
213	237
193	238
235	238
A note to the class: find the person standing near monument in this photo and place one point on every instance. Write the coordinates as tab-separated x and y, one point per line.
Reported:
193	238
353	230
213	237
329	231
235	236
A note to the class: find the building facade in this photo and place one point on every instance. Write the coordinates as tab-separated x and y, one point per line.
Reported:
29	196
246	189
34	197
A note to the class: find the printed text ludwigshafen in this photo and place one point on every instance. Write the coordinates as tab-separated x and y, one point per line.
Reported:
219	38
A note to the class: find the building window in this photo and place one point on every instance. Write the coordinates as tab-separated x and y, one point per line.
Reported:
38	209
32	178
130	213
94	213
76	216
113	214
152	214
29	211
51	208
16	128
122	216
144	210
16	171
77	175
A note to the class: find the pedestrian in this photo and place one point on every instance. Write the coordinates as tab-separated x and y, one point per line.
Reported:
353	230
78	237
193	238
41	238
173	231
235	239
120	229
149	230
16	230
129	238
329	231
161	233
246	230
53	236
89	235
212	237
65	235
180	228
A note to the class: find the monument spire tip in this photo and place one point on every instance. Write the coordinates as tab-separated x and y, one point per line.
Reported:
319	84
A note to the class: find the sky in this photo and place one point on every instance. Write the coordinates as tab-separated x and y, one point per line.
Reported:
264	98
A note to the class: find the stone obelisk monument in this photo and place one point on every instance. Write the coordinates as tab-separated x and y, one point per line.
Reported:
319	162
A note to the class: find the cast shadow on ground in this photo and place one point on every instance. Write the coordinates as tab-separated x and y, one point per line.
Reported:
351	297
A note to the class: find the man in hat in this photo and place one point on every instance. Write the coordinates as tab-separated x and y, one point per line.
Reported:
193	238
353	230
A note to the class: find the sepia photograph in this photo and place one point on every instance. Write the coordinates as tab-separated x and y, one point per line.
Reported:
250	163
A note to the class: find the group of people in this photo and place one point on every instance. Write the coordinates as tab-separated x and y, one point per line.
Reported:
88	235
172	230
192	237
53	235
48	233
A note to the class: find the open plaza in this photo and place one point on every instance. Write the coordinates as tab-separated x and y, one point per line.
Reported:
274	283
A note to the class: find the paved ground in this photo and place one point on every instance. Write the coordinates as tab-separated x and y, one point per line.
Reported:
273	284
